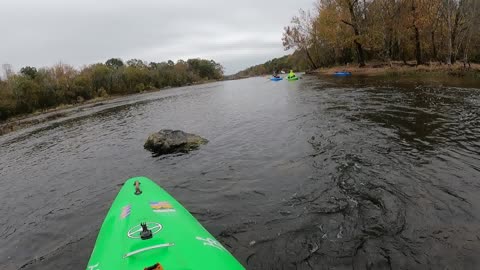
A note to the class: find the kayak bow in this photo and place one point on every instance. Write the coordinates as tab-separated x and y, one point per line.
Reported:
146	228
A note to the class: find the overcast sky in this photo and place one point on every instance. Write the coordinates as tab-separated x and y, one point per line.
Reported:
237	34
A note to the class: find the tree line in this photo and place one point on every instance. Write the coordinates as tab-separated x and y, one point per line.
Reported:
34	89
336	32
294	61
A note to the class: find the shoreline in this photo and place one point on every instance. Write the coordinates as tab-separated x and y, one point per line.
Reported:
64	110
400	69
393	70
38	117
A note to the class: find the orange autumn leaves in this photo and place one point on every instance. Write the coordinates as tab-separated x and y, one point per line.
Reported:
340	31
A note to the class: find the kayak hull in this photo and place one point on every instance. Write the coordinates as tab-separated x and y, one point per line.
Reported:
342	73
177	241
276	79
292	79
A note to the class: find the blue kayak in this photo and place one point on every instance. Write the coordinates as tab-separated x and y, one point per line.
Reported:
342	73
276	79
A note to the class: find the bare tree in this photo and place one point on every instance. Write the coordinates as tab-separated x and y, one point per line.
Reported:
418	45
300	35
7	70
352	6
454	13
471	18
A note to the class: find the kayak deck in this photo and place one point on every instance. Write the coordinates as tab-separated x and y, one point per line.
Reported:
151	227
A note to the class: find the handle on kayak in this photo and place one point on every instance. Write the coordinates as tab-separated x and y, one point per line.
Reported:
147	249
137	188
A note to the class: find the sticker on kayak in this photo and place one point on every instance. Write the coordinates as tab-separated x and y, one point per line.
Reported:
211	242
125	211
93	267
161	207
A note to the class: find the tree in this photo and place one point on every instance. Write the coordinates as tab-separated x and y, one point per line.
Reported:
473	19
101	77
7	70
26	93
205	69
28	71
82	86
136	63
418	45
136	78
334	38
64	76
354	21
454	12
433	22
299	35
7	100
114	63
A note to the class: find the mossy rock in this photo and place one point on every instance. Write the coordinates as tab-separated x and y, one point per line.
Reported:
168	141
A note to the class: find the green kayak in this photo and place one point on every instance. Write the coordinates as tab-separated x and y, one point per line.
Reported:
146	228
291	76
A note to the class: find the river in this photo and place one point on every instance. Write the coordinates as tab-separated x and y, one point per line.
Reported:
322	173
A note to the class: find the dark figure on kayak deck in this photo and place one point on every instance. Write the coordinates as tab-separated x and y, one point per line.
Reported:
275	74
291	75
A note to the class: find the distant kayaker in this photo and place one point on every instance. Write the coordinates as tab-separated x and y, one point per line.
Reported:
275	74
291	74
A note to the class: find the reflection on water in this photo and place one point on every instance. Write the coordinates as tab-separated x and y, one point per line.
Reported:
317	174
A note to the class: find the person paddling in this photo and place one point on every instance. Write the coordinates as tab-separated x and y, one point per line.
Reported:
291	75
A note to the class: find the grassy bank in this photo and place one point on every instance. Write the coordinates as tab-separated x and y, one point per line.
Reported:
41	116
400	69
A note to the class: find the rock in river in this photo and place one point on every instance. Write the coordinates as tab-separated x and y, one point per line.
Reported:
168	141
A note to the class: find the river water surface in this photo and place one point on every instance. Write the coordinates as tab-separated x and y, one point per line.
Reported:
315	174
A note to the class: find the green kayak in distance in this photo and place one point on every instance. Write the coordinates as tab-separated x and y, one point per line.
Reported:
146	228
292	76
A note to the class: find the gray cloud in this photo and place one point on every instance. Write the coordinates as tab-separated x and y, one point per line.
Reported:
236	33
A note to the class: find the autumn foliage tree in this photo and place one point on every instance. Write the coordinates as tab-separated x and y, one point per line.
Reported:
300	35
422	31
32	89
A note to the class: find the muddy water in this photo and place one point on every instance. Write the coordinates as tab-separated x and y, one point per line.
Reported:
321	173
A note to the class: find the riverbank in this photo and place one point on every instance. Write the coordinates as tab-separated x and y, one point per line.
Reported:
400	69
64	110
30	90
40	116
